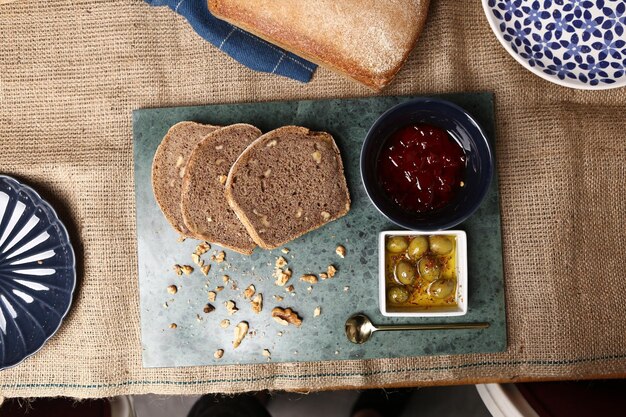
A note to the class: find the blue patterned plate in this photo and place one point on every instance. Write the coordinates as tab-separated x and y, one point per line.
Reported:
574	43
37	272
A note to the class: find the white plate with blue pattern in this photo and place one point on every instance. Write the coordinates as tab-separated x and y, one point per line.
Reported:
37	272
574	43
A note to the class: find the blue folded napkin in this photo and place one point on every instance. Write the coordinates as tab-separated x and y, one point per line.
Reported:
251	51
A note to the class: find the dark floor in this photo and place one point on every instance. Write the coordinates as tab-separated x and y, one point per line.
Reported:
425	402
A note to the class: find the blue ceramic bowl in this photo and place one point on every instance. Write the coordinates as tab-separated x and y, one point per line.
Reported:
458	123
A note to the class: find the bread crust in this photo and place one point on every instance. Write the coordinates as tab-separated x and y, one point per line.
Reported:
326	52
244	159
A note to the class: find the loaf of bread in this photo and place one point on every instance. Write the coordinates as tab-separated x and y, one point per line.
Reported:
367	40
205	210
168	169
287	183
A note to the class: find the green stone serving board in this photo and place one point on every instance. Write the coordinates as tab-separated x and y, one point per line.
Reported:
354	288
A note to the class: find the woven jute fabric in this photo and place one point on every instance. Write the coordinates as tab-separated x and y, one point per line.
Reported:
71	72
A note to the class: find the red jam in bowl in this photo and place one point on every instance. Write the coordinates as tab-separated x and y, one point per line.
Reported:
421	167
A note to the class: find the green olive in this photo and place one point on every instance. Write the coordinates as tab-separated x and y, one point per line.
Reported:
397	295
397	244
440	245
405	272
429	268
441	288
418	247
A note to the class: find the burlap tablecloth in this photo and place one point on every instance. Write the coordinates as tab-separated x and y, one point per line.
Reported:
71	71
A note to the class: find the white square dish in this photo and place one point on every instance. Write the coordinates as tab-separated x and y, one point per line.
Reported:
461	273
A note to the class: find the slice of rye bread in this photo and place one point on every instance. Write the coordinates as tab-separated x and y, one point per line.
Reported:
288	182
205	209
168	169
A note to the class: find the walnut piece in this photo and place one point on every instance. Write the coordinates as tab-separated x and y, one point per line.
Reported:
178	269
196	260
212	295
218	354
285	250
249	292
231	307
187	269
310	278
286	316
257	303
173	326
225	279
323	275
219	289
331	271
325	215
271	143
317	156
240	332
205	270
222	179
172	289
289	288
219	258
280	262
202	248
282	276
341	251
266	353
180	161
208	308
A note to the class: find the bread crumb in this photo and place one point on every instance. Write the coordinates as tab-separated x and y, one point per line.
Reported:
173	325
172	289
310	278
285	250
219	289
205	270
266	353
323	275
196	260
218	354
225	278
198	317
212	295
181	238
187	269
224	323
346	288
278	298
208	308
289	288
202	248
240	332
341	251
178	269
317	311
309	289
279	334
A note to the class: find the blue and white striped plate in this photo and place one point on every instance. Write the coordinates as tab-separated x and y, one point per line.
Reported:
37	272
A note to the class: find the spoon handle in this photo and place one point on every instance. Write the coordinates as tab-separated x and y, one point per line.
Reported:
431	326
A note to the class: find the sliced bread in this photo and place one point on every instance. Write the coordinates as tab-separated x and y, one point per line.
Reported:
287	183
168	169
204	207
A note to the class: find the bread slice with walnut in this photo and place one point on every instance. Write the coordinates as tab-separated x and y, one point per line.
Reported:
205	209
168	169
288	182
